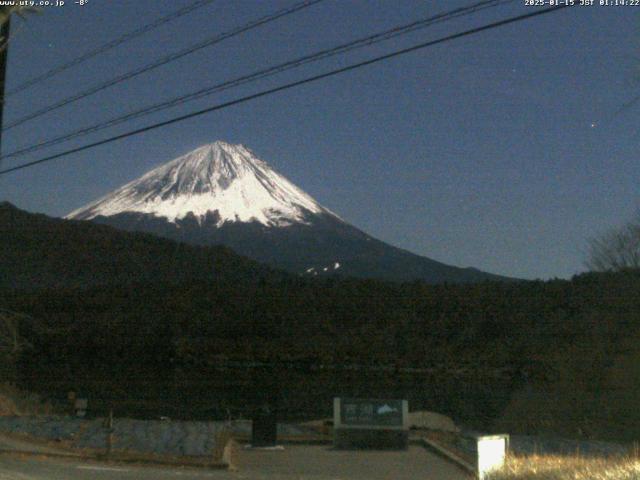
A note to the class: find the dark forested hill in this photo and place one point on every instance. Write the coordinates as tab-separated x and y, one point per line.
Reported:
153	327
37	251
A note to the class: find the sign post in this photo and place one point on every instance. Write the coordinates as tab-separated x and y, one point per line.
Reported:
264	430
370	423
80	407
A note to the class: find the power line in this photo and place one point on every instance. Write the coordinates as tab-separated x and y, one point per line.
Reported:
110	45
5	30
165	60
264	73
288	86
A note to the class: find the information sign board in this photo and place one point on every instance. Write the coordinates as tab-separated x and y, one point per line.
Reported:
370	423
364	412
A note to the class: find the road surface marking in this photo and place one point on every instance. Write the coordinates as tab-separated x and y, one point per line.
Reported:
10	475
105	469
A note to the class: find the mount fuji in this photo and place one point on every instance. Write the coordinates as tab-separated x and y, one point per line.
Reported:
223	194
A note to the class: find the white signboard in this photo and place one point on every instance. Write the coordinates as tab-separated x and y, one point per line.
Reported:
492	451
371	414
370	423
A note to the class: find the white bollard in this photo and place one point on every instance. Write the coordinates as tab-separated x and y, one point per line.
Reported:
492	452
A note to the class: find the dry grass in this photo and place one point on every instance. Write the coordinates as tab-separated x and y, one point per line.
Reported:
225	449
16	402
556	467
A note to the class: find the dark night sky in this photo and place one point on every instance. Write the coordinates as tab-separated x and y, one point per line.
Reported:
504	151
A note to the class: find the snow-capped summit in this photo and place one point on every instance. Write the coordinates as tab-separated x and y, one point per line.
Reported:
219	178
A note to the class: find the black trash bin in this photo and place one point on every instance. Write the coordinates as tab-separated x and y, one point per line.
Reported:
264	431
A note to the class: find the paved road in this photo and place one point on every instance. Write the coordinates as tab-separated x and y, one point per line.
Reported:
29	468
292	463
323	463
14	444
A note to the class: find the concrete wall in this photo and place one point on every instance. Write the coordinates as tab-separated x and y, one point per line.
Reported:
146	436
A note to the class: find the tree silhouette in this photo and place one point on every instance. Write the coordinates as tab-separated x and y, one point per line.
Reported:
617	249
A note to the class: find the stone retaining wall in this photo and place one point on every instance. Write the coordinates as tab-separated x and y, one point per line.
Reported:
180	438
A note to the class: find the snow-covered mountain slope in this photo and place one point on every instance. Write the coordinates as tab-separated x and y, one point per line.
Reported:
223	194
223	178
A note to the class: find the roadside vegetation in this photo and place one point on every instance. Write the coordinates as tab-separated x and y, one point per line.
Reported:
551	467
16	402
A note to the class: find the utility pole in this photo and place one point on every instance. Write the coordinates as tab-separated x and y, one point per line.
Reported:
4	52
